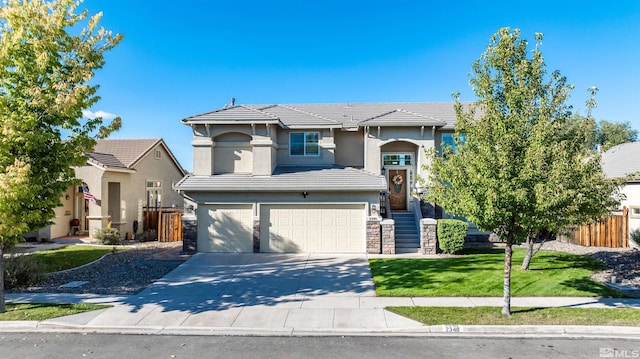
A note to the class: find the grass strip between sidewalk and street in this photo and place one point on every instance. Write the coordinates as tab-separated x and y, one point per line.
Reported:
71	256
521	316
44	311
479	273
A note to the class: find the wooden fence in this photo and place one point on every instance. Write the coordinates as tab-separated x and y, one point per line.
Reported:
612	231
166	221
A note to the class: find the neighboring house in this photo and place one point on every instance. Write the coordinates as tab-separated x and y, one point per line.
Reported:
621	161
124	176
307	177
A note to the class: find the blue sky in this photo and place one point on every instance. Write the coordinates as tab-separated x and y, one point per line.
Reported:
180	58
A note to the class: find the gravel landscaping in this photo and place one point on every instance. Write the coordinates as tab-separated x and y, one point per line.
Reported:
623	263
124	272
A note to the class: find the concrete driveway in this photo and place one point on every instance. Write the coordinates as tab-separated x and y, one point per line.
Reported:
222	281
278	292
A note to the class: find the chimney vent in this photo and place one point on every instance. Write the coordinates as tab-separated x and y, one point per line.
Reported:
233	101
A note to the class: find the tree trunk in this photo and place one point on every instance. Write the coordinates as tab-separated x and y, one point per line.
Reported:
508	250
3	307
531	249
528	255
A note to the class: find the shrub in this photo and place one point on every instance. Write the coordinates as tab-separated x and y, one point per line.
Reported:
451	234
635	236
23	271
108	235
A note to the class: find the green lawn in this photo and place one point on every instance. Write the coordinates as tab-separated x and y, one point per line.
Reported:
521	316
71	256
40	311
480	273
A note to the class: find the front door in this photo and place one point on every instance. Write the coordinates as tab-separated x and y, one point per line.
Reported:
397	180
82	211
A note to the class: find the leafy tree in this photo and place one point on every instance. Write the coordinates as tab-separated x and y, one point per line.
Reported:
611	134
520	169
48	55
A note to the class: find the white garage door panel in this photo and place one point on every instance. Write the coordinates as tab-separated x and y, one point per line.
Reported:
225	228
320	228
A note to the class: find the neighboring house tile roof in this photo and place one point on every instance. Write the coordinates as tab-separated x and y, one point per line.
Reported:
622	160
337	115
105	160
125	153
288	178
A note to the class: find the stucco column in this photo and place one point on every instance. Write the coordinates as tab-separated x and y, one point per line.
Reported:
262	148
428	236
203	156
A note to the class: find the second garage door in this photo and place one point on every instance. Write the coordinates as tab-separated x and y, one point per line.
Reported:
319	228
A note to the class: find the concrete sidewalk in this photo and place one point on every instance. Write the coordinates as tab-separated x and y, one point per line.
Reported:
337	315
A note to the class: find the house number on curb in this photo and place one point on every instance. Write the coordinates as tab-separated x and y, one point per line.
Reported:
452	328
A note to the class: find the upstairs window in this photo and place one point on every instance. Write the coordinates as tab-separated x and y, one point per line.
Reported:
449	142
304	144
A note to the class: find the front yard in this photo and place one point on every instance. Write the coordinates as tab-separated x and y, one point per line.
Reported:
479	272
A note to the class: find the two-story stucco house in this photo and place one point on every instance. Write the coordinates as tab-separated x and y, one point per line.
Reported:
308	177
124	176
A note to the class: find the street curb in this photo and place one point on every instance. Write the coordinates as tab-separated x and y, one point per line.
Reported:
443	331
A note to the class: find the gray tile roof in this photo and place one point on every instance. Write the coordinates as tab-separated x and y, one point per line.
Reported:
233	114
403	118
288	178
622	160
337	114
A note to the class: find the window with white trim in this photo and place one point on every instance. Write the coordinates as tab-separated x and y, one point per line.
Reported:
154	194
304	144
397	160
634	211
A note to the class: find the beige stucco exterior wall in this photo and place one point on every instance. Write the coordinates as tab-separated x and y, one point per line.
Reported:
232	153
234	149
374	140
133	194
349	148
327	149
64	214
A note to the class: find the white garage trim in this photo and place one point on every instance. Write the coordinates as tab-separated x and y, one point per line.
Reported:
225	227
313	227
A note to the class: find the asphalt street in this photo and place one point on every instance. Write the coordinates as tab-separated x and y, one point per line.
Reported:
56	345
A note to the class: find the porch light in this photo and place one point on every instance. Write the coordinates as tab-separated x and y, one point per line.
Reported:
305	194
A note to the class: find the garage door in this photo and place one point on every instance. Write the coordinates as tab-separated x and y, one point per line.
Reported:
318	228
225	228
